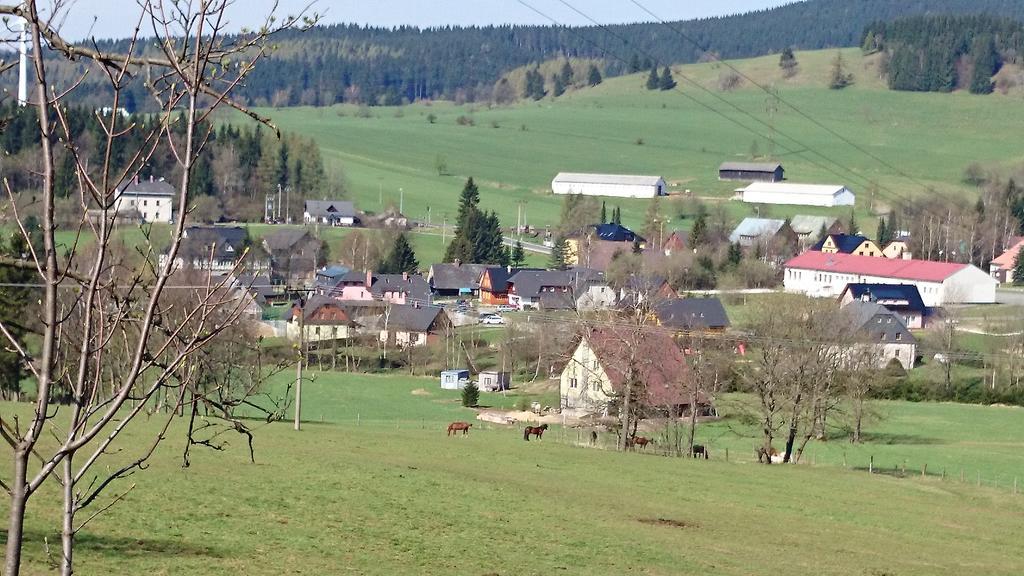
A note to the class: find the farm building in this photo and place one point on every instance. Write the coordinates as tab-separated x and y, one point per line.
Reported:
882	335
752	171
764	231
822	275
903	299
454	379
798	194
618	185
494	381
455	280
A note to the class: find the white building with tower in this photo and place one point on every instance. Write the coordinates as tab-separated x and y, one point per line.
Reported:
616	185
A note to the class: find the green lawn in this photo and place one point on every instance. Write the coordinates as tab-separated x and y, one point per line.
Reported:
378	488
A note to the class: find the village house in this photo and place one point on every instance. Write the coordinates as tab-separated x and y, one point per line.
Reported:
638	289
902	299
752	171
823	275
322	319
898	249
809	229
573	289
1002	266
617	185
366	286
797	194
219	249
688	315
330	213
676	243
881	335
596	245
455	280
327	277
848	244
752	232
494	284
410	325
295	255
605	360
151	201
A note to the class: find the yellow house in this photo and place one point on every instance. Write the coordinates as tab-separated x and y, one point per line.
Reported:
897	249
602	235
849	244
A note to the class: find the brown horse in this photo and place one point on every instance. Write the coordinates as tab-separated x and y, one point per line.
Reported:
456	427
640	441
537	431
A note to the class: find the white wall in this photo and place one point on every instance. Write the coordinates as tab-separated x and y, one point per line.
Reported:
970	286
617	190
843	198
156	208
830	284
582	386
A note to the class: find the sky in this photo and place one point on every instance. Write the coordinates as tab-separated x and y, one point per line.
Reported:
110	18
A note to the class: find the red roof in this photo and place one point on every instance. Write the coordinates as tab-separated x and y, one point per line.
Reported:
659	363
921	270
1008	259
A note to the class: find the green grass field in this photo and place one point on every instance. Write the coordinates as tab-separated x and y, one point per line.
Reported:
514	151
377	488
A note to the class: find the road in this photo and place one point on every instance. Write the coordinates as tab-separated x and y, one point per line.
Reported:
529	246
1010	297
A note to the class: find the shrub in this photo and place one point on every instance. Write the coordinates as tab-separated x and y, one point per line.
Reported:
470	395
464	120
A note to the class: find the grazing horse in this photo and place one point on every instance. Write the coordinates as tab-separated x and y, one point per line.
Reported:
456	427
537	431
641	441
699	451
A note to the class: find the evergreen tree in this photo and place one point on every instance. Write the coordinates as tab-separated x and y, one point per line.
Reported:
699	232
666	82
788	63
281	166
851	225
566	75
839	78
558	87
466	224
1018	268
559	253
15	308
201	182
883	237
617	216
735	255
401	259
653	82
593	76
470	394
822	234
986	64
518	256
65	179
634	64
534	85
604	212
469	199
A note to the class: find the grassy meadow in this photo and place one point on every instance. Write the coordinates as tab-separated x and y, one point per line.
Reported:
377	488
925	140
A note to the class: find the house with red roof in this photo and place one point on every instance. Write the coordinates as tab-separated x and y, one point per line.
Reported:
1001	268
823	275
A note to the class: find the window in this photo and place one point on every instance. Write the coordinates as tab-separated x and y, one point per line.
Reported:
879	320
882	336
594	365
145	202
899	336
888	320
573	383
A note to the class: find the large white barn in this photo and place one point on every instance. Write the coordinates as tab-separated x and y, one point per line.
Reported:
798	194
824	275
619	185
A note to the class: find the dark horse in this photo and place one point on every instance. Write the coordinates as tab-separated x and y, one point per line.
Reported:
456	427
537	431
699	451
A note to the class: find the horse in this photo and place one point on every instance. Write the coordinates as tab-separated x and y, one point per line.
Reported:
593	437
699	451
537	431
456	427
641	441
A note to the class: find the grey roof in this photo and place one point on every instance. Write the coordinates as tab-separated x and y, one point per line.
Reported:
877	323
803	224
413	318
528	283
619	179
259	286
285	239
414	286
755	228
336	208
312	304
692	313
146	188
750	166
456	276
229	242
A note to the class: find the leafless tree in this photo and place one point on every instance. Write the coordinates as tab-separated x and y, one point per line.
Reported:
91	306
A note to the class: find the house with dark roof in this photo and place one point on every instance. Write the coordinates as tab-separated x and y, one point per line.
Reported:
330	212
692	315
596	245
294	253
455	279
644	288
903	299
764	233
606	359
327	277
407	325
494	284
223	249
573	289
366	286
848	244
151	201
752	171
881	336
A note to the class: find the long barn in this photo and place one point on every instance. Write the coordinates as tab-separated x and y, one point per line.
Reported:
618	185
798	194
752	171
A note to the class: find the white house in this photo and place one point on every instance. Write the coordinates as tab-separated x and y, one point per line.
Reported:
152	200
330	212
824	275
619	185
798	194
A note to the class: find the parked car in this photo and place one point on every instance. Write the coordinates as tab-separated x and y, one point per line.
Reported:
507	308
493	319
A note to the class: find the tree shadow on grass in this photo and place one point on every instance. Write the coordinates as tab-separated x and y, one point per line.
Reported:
121	546
893	439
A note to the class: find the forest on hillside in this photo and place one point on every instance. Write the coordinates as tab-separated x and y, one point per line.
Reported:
944	53
385	66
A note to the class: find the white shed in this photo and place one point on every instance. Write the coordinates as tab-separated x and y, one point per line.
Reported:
798	194
618	185
454	379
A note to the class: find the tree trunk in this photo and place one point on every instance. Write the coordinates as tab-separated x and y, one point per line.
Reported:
693	422
67	534
16	522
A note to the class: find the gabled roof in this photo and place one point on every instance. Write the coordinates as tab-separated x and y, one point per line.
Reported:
286	239
147	188
335	208
677	240
659	363
810	225
895	297
413	318
413	285
616	233
313	305
259	286
749	167
529	283
229	242
456	276
1008	259
917	270
845	243
752	227
692	313
499	276
877	323
617	179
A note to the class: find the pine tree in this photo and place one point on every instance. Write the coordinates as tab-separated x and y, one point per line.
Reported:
883	232
566	75
986	63
634	64
822	234
617	216
788	63
558	87
518	256
593	76
699	232
401	259
604	212
470	394
666	82
735	255
851	226
15	307
653	82
1018	268
281	166
466	223
839	77
559	253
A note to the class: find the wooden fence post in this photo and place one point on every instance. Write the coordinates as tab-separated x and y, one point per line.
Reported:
844	458
358	417
871	464
979	478
924	470
1014	485
726	454
961	475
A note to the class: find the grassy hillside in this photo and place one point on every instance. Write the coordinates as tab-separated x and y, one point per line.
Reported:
393	495
515	151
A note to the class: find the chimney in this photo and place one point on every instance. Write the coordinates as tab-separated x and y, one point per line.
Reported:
458	262
416	304
136	179
405	276
369	278
150	177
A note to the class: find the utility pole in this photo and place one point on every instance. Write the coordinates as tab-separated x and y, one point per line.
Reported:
23	64
278	216
298	365
401	201
287	205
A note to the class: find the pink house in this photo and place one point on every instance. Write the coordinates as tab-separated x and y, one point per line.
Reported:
393	288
